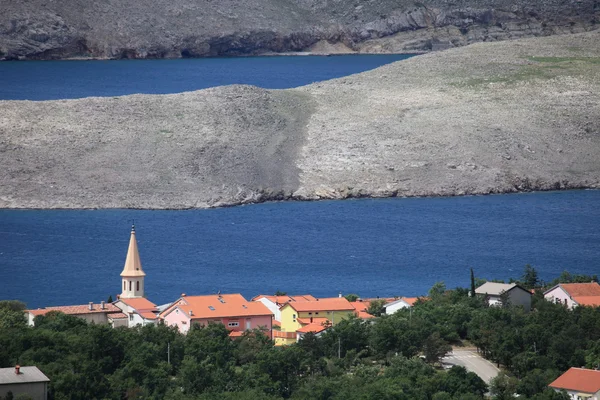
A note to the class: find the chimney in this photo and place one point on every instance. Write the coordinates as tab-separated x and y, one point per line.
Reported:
191	313
17	369
102	307
340	295
182	294
91	306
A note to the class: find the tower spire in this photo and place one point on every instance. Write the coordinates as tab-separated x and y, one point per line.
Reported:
133	275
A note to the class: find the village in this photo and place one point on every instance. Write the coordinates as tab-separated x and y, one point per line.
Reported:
284	319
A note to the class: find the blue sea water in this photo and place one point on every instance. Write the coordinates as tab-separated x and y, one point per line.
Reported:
50	80
371	247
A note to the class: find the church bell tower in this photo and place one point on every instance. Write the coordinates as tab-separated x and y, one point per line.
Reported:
133	275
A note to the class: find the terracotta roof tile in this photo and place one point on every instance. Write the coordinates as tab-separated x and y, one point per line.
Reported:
593	301
285	299
236	334
117	316
139	303
329	304
581	289
306	321
77	310
315	328
578	379
218	306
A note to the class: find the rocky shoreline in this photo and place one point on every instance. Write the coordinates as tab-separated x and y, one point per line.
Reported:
482	119
42	30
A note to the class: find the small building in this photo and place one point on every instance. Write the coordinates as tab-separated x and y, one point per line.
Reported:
28	381
403	302
316	328
136	311
574	294
514	293
579	383
299	314
274	303
92	312
231	310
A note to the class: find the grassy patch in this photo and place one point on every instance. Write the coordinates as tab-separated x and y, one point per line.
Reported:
554	60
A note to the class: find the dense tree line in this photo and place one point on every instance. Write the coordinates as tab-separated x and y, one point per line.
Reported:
389	357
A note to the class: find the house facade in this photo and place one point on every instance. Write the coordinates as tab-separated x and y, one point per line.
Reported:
579	383
231	310
514	293
26	381
574	294
403	302
274	303
98	313
294	316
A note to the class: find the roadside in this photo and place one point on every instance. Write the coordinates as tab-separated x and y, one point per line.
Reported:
473	362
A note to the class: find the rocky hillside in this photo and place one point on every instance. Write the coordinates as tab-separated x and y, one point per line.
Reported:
486	118
51	29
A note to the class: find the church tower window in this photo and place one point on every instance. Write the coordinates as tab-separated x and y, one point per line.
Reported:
137	286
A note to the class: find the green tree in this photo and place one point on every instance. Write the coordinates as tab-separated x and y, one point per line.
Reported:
376	307
351	297
503	387
530	277
472	283
435	348
110	299
280	293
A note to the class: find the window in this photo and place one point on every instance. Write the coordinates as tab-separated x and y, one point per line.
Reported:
309	313
211	308
124	285
138	286
294	316
129	285
233	324
131	317
316	313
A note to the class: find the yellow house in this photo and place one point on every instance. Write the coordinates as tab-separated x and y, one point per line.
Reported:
297	315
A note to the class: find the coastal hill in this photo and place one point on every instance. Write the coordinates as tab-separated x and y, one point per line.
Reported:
43	29
486	118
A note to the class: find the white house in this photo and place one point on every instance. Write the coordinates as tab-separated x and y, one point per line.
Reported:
96	313
274	303
574	294
403	302
579	383
516	295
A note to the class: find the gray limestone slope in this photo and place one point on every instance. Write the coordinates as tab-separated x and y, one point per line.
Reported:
486	118
47	29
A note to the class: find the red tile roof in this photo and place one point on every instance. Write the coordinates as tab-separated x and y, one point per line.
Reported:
410	300
218	306
315	328
284	335
233	334
592	301
139	303
307	321
276	323
329	304
360	309
77	310
285	299
117	316
581	289
578	379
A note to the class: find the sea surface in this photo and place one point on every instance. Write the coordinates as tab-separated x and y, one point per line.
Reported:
372	247
51	80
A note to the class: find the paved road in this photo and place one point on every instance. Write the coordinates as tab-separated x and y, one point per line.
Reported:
473	362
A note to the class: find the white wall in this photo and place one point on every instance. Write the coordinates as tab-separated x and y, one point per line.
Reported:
272	307
126	293
397	305
559	294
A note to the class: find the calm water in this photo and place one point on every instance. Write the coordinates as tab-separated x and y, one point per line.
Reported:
49	80
371	247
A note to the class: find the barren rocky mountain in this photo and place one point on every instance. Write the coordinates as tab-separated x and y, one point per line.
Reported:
485	118
49	29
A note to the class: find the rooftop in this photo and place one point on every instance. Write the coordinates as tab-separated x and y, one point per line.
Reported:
285	299
328	304
139	304
497	289
26	375
581	289
78	309
218	306
315	328
578	379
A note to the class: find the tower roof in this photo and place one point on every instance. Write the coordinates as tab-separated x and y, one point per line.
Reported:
133	265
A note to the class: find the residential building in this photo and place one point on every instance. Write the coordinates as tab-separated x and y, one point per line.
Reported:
403	302
360	309
136	311
296	315
579	383
27	381
574	294
92	312
274	303
231	310
514	294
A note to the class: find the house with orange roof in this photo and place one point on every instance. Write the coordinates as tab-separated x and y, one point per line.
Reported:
360	309
138	311
274	303
403	302
574	294
96	313
296	315
579	383
231	310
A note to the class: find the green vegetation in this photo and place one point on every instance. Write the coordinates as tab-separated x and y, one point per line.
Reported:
391	357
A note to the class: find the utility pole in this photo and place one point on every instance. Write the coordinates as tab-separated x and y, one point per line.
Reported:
340	347
169	352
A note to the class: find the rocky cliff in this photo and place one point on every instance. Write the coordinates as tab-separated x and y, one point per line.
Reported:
53	29
485	118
